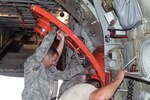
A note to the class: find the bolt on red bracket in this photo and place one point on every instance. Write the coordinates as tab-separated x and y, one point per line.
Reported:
44	19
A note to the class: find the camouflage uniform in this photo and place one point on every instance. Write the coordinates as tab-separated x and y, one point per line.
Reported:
74	80
39	80
74	62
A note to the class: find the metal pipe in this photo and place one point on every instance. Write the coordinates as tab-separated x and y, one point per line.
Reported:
129	62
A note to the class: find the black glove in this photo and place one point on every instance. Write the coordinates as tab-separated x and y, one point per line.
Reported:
86	63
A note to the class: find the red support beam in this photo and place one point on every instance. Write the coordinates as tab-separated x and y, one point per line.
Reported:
43	14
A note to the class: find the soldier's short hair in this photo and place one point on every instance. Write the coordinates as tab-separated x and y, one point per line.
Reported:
52	51
94	82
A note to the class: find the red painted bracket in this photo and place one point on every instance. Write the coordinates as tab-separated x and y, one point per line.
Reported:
42	14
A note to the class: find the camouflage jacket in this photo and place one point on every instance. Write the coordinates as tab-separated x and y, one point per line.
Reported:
39	81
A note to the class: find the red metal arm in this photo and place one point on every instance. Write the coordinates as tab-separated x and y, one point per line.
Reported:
43	14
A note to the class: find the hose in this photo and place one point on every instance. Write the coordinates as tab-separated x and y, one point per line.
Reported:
131	84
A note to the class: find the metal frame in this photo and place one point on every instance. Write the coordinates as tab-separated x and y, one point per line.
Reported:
43	14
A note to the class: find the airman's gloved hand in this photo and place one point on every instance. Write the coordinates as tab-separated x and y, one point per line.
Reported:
86	63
